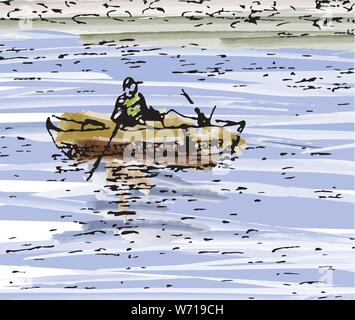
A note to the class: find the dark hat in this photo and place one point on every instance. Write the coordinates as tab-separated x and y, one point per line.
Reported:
129	81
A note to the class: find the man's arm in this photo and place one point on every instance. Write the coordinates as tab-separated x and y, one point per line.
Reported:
118	108
142	102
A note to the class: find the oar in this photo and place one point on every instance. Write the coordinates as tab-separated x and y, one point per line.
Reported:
97	162
214	108
230	123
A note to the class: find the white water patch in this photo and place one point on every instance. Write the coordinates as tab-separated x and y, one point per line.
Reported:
324	166
331	231
332	148
305	119
60	75
34	136
43	166
22	92
271	190
38	186
38	201
57	194
268	120
23	117
34	35
32	230
65	101
251	108
302	134
7	88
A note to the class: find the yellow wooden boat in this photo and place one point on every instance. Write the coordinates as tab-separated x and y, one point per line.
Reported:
178	140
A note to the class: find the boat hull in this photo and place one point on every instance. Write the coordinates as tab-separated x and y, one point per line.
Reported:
86	136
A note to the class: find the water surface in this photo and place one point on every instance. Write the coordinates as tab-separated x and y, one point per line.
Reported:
276	221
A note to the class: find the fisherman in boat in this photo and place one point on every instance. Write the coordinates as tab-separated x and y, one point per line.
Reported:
131	108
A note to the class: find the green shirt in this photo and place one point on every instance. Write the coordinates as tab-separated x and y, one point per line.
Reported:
131	105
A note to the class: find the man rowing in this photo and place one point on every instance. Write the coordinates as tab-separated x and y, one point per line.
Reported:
131	108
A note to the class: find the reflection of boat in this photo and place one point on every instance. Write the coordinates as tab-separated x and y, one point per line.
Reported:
84	136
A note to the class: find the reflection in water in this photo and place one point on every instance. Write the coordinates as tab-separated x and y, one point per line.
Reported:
137	201
132	195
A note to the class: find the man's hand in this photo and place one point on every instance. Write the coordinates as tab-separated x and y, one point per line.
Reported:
117	114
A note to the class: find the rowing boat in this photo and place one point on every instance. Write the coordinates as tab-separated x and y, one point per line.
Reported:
85	135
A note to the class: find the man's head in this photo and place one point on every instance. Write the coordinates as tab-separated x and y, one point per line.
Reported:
197	110
130	86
